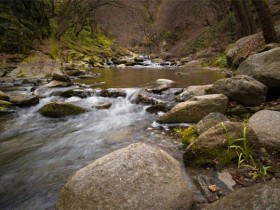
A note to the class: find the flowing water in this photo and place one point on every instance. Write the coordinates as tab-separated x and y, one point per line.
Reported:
38	154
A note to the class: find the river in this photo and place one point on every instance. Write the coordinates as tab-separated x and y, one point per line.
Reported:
38	154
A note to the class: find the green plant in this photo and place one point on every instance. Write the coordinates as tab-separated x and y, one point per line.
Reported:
245	155
260	172
241	146
187	135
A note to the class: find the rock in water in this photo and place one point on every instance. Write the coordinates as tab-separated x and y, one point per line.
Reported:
4	96
60	109
165	81
62	78
193	110
242	88
24	100
113	93
264	195
192	91
265	123
6	107
136	177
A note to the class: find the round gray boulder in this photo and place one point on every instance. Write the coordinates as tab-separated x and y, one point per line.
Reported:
265	123
242	88
264	67
136	177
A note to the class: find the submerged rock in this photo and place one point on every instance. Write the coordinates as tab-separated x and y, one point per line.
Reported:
264	67
242	88
60	109
193	110
24	100
265	195
103	105
4	96
265	123
136	177
212	146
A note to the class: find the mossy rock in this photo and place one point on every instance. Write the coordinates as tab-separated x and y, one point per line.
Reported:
6	107
60	109
213	146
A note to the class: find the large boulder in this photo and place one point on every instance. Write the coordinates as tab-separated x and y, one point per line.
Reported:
265	195
136	177
241	88
265	123
246	46
264	67
212	146
24	100
4	96
60	109
192	91
209	121
243	48
193	110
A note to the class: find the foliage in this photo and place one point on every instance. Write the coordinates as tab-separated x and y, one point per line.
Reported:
21	22
245	155
187	135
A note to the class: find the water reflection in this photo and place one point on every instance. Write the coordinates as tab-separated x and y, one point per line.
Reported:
143	77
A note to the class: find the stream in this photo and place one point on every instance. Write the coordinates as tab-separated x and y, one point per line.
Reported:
38	154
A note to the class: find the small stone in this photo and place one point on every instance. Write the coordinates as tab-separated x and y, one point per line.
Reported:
213	188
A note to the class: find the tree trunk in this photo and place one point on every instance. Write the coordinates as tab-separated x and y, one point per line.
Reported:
248	9
242	18
265	16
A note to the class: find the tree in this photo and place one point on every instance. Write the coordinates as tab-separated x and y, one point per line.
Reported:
265	17
244	16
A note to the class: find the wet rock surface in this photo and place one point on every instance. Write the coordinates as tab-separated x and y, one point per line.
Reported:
60	109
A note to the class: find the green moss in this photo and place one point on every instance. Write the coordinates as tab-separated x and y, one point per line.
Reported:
21	75
54	52
218	61
218	156
55	110
187	136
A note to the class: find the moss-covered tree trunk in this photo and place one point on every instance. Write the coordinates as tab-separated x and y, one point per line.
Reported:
265	16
